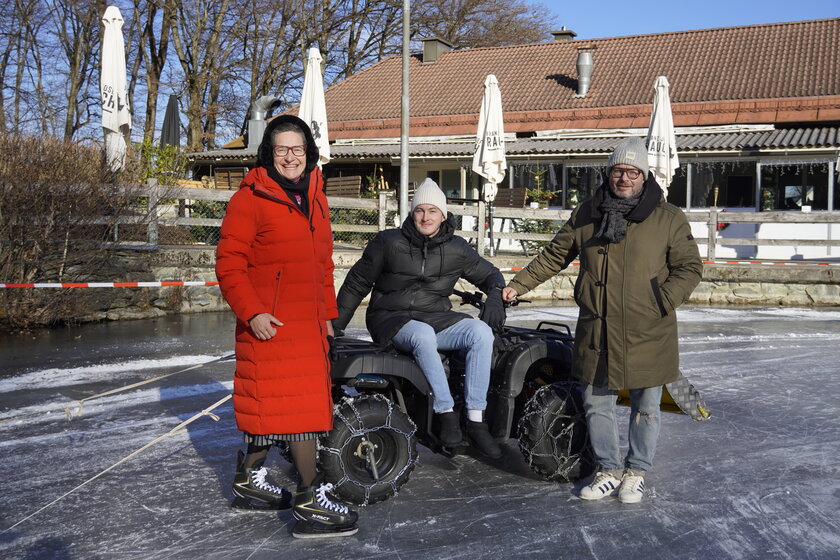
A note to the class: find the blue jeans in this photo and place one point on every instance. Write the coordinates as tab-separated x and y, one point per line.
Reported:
599	404
471	335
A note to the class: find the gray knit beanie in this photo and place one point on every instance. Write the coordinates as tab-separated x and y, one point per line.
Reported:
630	151
429	193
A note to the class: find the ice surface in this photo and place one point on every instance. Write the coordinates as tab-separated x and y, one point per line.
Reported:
758	480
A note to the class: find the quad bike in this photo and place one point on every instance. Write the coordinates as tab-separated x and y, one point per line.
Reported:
384	407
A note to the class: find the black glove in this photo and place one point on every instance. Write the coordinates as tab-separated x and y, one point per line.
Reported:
333	351
493	310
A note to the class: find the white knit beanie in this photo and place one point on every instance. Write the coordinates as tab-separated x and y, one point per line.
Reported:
630	151
429	193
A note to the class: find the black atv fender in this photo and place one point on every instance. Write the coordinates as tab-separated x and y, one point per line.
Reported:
360	361
511	369
380	363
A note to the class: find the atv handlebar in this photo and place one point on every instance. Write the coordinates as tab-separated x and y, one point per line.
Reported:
476	299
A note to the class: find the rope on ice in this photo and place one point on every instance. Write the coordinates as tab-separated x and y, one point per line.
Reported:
174	431
81	402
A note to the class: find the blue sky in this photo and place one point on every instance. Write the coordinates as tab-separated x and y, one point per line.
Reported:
612	18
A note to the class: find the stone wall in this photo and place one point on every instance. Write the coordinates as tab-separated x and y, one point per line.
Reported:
729	284
159	265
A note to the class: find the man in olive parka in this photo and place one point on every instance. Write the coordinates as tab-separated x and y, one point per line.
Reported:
638	263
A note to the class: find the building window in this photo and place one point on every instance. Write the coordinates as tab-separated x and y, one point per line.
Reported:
723	183
835	202
229	177
543	180
582	183
677	188
450	182
791	186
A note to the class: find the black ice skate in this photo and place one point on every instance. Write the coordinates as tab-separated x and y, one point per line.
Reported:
320	515
254	490
309	530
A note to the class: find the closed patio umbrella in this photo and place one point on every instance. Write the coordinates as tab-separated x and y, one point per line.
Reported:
313	108
489	157
116	117
661	138
170	134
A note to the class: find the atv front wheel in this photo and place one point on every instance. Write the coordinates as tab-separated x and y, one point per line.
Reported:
371	450
553	436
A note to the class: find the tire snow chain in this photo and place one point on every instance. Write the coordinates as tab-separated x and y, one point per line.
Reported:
360	432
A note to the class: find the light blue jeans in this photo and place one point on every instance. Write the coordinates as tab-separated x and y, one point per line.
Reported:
471	335
643	433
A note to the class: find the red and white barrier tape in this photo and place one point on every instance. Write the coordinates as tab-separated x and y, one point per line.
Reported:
107	284
800	263
198	283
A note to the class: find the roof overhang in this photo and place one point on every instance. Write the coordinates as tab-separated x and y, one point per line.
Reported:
733	139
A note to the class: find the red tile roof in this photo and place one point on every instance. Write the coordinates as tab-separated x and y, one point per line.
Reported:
782	72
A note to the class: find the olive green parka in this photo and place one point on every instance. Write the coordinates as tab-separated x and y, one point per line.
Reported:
626	334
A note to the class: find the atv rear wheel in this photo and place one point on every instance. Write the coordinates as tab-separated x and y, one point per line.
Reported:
371	450
553	436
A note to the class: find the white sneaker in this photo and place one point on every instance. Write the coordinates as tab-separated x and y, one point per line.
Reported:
604	484
632	487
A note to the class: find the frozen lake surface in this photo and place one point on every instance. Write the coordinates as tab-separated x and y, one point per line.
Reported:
759	480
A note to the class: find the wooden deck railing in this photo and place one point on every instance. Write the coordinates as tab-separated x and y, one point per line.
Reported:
174	206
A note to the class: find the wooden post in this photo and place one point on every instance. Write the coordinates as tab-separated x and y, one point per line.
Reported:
383	210
153	201
713	226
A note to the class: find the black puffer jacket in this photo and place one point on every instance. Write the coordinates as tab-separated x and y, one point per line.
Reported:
412	277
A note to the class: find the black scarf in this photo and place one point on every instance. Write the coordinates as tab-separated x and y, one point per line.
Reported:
296	190
613	224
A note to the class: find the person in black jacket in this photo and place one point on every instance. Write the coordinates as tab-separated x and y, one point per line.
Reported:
412	272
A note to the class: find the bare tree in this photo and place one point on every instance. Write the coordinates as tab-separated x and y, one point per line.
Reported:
270	48
372	30
20	67
482	23
224	53
78	31
203	34
8	40
156	22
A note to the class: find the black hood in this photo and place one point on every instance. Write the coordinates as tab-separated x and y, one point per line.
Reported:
265	158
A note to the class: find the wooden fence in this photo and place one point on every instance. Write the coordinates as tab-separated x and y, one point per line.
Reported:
173	206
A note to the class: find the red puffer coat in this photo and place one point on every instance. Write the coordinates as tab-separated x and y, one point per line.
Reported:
272	259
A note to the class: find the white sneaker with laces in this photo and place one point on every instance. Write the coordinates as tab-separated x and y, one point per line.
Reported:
632	487
604	484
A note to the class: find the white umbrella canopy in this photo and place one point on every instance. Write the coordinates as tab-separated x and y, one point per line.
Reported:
313	108
661	138
116	117
489	158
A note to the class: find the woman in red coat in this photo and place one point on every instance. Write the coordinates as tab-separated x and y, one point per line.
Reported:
275	269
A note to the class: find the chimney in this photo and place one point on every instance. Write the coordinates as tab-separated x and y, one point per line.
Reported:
564	34
256	124
584	70
433	47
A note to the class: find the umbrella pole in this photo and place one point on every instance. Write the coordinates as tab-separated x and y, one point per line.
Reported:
490	227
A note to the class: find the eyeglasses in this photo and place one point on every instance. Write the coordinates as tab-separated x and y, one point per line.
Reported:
632	174
284	150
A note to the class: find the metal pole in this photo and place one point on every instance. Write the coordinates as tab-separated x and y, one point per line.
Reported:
490	226
404	116
831	201
482	215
